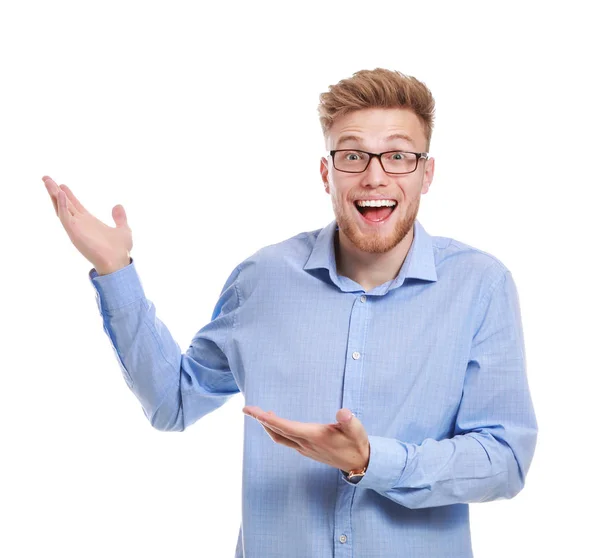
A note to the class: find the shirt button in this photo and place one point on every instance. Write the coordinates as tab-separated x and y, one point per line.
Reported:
343	538
363	298
355	355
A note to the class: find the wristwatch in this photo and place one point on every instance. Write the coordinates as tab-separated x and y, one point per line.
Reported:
355	475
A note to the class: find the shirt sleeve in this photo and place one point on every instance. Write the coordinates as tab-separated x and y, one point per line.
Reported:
174	389
496	429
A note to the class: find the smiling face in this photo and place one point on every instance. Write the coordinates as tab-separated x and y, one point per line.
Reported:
377	230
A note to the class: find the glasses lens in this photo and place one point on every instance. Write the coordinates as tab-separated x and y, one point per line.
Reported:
356	161
351	161
399	161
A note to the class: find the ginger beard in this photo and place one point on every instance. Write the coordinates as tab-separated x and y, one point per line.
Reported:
375	241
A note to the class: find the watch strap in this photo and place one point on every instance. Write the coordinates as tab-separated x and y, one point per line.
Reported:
354	475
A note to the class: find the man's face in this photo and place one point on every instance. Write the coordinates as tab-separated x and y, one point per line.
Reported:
376	231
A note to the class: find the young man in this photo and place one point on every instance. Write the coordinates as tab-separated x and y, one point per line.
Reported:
413	343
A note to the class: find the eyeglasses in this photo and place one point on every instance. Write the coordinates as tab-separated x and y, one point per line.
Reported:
392	162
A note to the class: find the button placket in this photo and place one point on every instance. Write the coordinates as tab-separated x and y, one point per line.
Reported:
351	399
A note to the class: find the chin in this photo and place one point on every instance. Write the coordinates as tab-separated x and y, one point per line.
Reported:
378	242
375	243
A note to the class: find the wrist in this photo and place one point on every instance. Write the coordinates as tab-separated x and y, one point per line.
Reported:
361	469
111	268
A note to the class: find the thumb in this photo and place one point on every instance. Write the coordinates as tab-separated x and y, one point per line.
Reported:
345	417
118	213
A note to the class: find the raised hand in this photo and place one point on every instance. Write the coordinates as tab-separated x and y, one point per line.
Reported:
106	248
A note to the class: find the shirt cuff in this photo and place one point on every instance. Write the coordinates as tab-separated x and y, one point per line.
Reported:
387	461
117	289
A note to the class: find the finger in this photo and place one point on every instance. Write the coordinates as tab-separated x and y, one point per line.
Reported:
271	426
76	203
293	439
48	184
287	427
53	190
279	439
253	410
290	429
63	212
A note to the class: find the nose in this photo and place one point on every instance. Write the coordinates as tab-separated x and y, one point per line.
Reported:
374	175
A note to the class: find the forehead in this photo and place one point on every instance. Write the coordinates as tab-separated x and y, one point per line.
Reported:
373	126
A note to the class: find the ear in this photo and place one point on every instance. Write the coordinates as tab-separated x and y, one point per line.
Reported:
325	173
428	175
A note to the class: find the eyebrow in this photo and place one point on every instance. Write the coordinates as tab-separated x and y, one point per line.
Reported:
349	137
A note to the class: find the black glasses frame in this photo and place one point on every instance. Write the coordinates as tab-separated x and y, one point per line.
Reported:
420	156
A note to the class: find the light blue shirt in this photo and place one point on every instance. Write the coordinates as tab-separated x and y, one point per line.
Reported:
432	363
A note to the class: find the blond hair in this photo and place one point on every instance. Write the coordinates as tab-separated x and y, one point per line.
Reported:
378	88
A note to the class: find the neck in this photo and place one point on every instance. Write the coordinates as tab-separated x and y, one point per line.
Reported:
366	269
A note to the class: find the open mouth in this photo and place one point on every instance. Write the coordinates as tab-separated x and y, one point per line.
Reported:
375	214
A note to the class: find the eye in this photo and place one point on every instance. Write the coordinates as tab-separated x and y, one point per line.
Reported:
397	156
352	156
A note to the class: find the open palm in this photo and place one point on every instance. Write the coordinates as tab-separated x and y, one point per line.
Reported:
104	246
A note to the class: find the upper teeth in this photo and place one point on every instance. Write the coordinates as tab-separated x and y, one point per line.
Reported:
376	203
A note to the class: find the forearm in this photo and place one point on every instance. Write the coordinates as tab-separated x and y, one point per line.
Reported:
149	358
174	390
470	467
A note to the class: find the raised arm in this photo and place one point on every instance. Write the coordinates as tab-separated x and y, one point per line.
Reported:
174	389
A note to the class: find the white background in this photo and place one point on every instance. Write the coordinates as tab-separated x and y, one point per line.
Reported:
184	115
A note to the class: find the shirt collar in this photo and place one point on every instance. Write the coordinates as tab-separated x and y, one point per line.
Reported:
419	262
